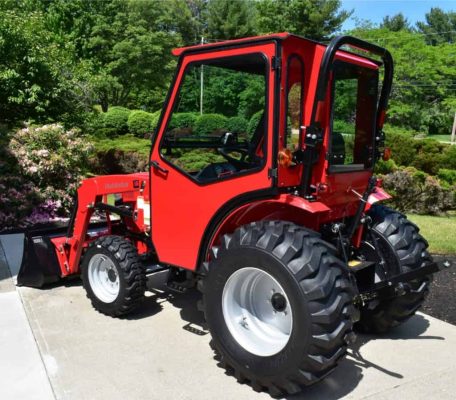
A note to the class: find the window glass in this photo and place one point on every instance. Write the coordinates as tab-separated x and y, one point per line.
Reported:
295	76
354	108
217	127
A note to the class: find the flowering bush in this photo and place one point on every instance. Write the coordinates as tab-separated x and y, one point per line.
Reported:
51	156
40	174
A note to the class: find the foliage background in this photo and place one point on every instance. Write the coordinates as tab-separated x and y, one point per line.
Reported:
100	70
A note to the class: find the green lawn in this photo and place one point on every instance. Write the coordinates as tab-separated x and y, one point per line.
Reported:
125	143
440	232
440	138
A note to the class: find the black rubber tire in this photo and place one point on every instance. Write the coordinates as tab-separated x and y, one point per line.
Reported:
132	276
404	250
320	295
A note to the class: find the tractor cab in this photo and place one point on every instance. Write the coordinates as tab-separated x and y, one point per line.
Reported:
268	116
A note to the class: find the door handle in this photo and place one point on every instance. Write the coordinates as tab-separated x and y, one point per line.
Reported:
156	165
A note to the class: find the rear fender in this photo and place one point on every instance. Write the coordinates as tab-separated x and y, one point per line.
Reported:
378	195
284	207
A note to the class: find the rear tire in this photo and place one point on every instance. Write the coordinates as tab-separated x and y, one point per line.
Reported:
113	276
404	250
277	266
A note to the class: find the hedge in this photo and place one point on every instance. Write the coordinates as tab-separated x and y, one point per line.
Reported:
208	124
115	120
139	123
237	125
183	120
155	116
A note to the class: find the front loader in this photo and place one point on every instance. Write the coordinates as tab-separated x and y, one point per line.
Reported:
278	222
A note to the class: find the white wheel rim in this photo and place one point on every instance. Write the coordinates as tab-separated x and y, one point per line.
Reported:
103	278
257	311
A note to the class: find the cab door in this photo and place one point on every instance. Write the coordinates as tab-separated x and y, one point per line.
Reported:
213	148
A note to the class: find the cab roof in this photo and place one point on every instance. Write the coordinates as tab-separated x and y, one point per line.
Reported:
259	39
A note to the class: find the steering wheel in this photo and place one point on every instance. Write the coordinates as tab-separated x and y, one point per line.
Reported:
238	163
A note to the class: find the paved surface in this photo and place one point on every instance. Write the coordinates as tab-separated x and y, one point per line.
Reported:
155	355
22	372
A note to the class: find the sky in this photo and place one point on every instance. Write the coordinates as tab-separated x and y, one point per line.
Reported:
375	10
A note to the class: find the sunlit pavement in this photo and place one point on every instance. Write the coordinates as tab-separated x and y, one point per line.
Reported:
61	348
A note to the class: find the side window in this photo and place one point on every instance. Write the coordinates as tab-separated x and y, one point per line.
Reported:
354	107
295	86
217	128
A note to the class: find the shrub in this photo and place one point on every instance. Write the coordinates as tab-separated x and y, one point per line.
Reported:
208	124
402	148
155	116
139	123
183	120
449	157
115	121
123	154
196	160
428	156
447	176
237	125
50	163
95	124
118	161
254	121
416	191
18	199
385	167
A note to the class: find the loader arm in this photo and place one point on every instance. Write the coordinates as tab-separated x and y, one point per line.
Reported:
45	248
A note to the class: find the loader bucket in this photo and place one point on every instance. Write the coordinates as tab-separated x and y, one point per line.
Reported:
40	265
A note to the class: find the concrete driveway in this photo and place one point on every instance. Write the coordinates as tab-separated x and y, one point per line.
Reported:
61	348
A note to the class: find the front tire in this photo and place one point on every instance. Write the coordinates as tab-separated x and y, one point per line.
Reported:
404	250
278	304
113	276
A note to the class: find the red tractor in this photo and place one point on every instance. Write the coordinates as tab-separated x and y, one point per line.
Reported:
277	223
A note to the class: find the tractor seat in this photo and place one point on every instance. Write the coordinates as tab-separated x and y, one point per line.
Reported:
337	149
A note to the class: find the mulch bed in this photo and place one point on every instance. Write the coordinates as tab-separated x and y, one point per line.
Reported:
441	302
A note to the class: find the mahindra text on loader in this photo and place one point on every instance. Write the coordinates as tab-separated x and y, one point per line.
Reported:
278	225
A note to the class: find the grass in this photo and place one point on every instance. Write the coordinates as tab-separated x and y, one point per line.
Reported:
440	232
125	143
441	138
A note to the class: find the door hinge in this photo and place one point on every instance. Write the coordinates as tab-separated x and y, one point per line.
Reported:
276	62
272	173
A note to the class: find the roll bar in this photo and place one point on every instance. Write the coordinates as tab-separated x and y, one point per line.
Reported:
325	68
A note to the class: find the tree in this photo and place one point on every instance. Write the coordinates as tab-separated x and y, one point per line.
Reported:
230	19
35	74
315	19
440	27
395	23
190	19
423	86
124	46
